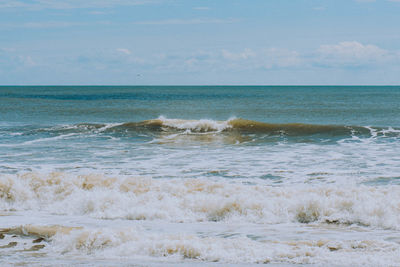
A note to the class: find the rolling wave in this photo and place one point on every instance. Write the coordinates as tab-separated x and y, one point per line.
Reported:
231	131
235	125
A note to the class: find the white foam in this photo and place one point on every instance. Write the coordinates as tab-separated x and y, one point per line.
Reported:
40	140
197	200
140	244
202	125
108	126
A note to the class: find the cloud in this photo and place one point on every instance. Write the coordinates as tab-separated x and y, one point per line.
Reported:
71	4
246	54
370	1
124	51
49	24
267	58
186	22
352	54
281	58
12	59
201	8
11	4
27	61
228	60
7	50
96	12
115	59
125	61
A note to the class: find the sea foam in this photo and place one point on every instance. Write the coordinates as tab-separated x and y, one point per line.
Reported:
136	243
200	200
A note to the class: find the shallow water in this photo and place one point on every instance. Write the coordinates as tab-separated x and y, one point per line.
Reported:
200	175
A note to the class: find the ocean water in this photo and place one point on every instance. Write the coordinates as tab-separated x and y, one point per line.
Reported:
207	175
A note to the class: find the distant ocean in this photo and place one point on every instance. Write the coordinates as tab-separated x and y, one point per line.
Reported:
193	175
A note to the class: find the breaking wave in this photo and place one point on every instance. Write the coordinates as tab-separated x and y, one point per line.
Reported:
240	125
200	200
137	243
234	130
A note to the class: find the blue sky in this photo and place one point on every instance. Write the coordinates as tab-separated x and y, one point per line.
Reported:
238	42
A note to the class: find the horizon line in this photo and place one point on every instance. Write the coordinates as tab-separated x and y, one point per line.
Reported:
196	85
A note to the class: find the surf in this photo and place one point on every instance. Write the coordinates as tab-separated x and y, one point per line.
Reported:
232	125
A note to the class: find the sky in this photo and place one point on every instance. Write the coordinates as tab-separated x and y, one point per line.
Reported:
199	42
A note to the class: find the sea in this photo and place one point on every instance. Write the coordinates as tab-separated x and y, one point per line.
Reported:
200	175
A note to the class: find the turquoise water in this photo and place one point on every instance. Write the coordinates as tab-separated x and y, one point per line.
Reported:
349	105
238	175
57	126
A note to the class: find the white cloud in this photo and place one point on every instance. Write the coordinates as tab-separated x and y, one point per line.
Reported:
268	58
247	59
246	54
71	4
27	61
201	8
124	51
186	21
96	12
280	58
49	24
370	1
115	59
227	60
11	59
7	49
352	54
